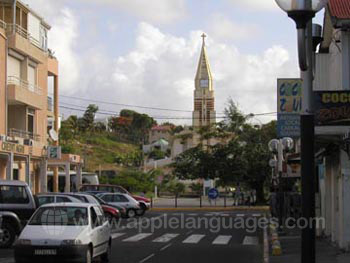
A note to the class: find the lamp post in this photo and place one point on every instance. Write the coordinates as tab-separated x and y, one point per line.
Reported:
302	12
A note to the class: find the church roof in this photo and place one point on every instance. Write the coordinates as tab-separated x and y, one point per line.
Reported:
203	70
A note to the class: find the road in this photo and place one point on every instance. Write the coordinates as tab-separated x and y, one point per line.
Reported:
184	236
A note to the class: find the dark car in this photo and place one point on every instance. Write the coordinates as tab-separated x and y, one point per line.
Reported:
121	209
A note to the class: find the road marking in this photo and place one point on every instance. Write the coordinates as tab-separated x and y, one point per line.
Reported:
134	225
116	235
240	215
225	214
208	214
165	238
250	241
193	239
164	248
192	214
147	258
189	232
137	237
257	215
222	240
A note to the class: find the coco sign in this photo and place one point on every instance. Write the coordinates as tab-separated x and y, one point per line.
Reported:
332	108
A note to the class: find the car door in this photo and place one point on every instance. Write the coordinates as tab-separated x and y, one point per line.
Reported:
96	235
122	200
104	232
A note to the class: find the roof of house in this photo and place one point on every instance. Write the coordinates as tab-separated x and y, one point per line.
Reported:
339	9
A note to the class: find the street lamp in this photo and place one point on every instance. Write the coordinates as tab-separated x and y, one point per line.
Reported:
302	12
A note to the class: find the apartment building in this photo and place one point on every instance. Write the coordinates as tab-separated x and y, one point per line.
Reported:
27	67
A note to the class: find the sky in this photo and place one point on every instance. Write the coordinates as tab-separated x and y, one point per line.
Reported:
145	53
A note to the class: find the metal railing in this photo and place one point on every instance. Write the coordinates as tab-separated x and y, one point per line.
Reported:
25	34
24	84
23	134
2	24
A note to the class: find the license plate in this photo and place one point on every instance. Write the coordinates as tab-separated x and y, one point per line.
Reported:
45	252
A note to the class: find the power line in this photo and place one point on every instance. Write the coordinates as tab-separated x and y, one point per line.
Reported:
146	107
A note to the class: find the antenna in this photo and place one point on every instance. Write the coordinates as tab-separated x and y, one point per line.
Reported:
53	134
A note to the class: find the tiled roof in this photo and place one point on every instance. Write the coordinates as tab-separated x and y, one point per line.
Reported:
340	9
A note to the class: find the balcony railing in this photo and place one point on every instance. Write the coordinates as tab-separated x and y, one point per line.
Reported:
2	24
24	84
23	134
25	34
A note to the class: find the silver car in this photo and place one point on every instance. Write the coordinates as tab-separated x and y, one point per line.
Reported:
124	200
56	198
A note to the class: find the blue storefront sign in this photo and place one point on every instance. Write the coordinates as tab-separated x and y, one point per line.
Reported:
288	125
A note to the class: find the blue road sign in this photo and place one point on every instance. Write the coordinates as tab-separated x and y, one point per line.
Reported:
213	193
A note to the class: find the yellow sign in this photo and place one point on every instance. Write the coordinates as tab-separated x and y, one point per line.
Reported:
12	147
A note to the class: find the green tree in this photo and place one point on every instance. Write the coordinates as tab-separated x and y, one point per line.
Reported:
89	117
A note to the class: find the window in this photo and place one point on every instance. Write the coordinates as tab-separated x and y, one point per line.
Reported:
60	216
30	120
13	195
93	216
107	198
14	67
45	200
62	199
120	198
31	78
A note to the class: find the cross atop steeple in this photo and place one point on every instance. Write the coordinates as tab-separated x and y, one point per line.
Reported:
203	36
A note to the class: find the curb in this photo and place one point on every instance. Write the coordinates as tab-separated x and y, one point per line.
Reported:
259	208
275	243
266	258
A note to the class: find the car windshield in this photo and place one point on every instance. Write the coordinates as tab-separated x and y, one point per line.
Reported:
60	216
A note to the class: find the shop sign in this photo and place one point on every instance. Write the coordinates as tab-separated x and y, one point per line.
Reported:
332	108
12	147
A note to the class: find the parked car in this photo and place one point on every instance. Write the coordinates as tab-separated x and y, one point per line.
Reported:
145	203
17	205
109	211
65	231
125	200
121	210
56	198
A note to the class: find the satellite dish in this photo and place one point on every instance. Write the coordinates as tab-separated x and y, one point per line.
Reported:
53	135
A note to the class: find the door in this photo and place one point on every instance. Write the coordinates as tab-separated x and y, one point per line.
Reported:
96	230
104	231
121	200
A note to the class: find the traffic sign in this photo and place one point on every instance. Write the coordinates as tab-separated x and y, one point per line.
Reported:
213	193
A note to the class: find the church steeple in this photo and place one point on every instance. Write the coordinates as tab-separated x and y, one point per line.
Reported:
203	77
204	111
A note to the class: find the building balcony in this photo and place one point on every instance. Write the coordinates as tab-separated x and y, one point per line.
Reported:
15	133
21	92
22	41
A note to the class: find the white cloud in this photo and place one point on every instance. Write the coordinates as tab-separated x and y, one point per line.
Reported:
266	5
63	38
223	28
160	72
154	11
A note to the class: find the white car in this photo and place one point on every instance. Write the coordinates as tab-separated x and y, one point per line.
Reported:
124	200
65	232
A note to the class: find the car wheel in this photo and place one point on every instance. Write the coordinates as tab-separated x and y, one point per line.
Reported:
142	210
131	213
9	235
107	256
88	258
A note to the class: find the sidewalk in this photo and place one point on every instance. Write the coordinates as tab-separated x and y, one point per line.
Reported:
291	250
